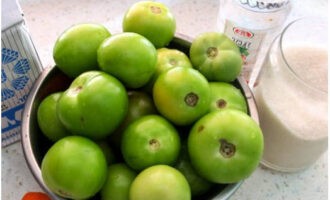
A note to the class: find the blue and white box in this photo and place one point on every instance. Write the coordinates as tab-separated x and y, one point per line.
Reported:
20	67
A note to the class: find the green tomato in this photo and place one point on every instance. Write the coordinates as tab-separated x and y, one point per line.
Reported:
94	105
148	141
216	56
225	146
119	180
48	120
74	167
139	104
225	95
153	20
160	182
75	50
167	59
129	57
182	95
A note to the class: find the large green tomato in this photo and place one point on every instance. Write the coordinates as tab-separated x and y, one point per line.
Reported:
225	146
160	182
148	141
119	180
75	50
74	167
153	20
182	95
216	56
48	120
94	105
129	57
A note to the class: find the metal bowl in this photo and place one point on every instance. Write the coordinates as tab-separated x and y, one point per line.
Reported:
51	80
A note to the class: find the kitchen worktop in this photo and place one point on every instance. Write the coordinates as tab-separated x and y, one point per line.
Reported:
47	19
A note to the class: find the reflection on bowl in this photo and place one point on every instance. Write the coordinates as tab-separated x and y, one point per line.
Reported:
35	145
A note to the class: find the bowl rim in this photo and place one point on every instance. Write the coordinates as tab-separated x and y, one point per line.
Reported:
25	134
32	163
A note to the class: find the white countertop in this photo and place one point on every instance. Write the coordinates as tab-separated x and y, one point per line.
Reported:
46	19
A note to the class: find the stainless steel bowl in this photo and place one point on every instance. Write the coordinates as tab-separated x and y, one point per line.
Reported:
35	145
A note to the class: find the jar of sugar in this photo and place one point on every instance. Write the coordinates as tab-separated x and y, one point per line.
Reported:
291	95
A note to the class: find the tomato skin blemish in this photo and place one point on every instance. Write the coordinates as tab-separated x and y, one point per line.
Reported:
221	103
200	129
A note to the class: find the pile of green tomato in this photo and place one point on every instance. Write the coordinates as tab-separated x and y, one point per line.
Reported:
142	119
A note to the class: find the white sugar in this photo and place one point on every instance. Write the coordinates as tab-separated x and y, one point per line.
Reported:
293	116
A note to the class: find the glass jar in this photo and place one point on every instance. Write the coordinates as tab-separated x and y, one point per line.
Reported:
291	96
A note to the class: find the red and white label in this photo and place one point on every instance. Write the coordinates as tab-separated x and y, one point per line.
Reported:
243	33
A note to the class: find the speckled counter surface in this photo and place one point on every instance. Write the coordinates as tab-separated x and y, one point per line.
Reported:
46	19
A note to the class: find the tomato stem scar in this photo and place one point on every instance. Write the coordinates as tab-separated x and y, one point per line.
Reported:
227	149
155	9
191	99
154	144
212	52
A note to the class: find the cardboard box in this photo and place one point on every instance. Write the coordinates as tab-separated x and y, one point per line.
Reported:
20	67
